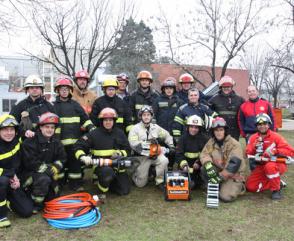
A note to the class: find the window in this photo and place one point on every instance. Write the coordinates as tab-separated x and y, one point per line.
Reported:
7	104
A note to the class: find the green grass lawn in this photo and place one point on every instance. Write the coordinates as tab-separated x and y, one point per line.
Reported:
144	215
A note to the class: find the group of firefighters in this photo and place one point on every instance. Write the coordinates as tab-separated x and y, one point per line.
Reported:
44	146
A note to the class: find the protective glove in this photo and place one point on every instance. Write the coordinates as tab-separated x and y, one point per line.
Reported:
54	172
164	150
270	151
87	160
213	176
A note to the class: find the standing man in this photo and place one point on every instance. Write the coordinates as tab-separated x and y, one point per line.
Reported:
222	162
227	104
106	141
111	100
123	82
167	104
144	95
141	137
28	111
81	94
193	107
250	108
186	82
267	145
72	118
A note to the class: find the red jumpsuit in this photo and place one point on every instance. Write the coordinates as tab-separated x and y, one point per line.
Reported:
266	176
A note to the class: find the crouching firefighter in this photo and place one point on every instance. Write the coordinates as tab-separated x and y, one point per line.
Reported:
144	138
43	159
189	147
72	118
11	195
268	150
222	162
106	142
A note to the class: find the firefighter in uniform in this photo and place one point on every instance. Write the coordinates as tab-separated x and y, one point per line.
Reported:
123	82
167	104
107	141
186	82
227	104
28	111
222	162
267	145
72	118
191	108
81	94
189	147
141	138
43	159
111	100
10	160
144	95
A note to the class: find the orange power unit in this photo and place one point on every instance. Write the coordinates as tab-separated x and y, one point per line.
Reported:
177	185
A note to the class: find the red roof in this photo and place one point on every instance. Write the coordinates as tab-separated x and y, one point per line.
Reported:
162	71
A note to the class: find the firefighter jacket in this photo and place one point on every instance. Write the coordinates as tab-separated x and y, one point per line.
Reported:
220	155
183	95
10	157
140	134
165	109
124	96
38	153
227	106
34	108
189	147
247	115
187	110
280	144
124	120
102	143
139	98
72	118
85	98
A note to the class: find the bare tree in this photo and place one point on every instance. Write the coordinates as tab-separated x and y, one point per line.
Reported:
258	63
79	35
220	29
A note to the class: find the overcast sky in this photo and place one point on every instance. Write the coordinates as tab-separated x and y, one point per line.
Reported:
174	10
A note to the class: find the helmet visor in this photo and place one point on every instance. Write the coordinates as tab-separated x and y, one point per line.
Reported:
9	122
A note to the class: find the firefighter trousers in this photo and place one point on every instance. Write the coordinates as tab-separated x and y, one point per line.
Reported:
116	180
266	177
17	200
140	176
43	188
73	166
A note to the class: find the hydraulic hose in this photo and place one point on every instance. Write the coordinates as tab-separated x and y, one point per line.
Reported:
72	211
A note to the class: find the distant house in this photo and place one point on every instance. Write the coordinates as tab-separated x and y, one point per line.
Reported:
162	71
8	99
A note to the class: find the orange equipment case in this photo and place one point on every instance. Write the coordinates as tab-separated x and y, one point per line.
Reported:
177	185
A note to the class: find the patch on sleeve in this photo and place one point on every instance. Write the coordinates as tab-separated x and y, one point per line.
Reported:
85	138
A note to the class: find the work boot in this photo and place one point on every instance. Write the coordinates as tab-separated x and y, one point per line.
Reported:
4	222
37	209
276	195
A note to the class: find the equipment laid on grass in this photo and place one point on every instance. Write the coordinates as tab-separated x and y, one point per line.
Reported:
73	211
285	159
212	200
177	185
